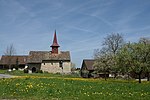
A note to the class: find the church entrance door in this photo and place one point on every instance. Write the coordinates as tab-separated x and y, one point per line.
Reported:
33	70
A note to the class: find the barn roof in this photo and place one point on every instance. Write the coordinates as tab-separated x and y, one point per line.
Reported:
88	64
39	56
13	59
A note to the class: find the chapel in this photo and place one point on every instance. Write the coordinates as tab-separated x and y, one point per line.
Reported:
53	61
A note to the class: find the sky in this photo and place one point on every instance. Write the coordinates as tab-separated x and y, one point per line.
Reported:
81	25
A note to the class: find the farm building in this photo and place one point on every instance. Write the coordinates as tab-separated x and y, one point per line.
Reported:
7	62
87	69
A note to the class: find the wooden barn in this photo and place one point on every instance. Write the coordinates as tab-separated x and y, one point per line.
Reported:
87	70
10	62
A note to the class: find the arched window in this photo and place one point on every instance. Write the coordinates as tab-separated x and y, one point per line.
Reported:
33	70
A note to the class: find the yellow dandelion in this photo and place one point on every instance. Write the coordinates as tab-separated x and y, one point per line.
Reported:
142	94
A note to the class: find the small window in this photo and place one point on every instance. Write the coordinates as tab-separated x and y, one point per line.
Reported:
61	64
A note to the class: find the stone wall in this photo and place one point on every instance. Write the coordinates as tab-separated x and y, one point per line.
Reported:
54	67
67	67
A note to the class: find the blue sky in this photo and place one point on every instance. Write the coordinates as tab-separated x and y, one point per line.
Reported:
81	25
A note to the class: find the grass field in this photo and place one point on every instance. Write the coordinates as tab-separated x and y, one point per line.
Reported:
58	87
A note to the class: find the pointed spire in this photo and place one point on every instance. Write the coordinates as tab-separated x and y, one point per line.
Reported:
55	43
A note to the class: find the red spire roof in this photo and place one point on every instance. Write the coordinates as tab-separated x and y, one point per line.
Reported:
55	44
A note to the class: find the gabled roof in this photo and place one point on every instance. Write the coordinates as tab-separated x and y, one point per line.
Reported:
39	56
88	63
12	59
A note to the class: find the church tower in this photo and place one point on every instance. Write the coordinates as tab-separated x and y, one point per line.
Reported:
55	45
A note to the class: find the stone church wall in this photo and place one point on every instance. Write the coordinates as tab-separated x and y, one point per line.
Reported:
67	67
54	67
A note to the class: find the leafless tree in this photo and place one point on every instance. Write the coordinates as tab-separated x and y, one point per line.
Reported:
10	51
113	42
144	40
73	67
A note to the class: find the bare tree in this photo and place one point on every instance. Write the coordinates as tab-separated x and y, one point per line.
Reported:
113	42
73	67
144	40
10	51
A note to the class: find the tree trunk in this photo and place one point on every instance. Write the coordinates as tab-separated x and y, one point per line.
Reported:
147	76
115	74
105	76
139	77
128	76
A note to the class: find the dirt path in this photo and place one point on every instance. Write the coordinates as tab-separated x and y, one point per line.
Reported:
5	76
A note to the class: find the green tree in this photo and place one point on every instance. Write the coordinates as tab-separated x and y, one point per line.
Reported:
133	56
123	60
102	64
105	57
146	55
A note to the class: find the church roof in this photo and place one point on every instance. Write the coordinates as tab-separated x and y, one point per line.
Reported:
13	59
39	56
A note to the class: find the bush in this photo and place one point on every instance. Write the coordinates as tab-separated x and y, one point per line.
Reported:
40	71
46	72
123	77
26	71
75	74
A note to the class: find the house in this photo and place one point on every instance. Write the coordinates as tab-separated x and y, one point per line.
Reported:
53	61
87	69
10	62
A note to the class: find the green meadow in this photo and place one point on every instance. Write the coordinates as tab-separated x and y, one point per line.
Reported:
65	87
